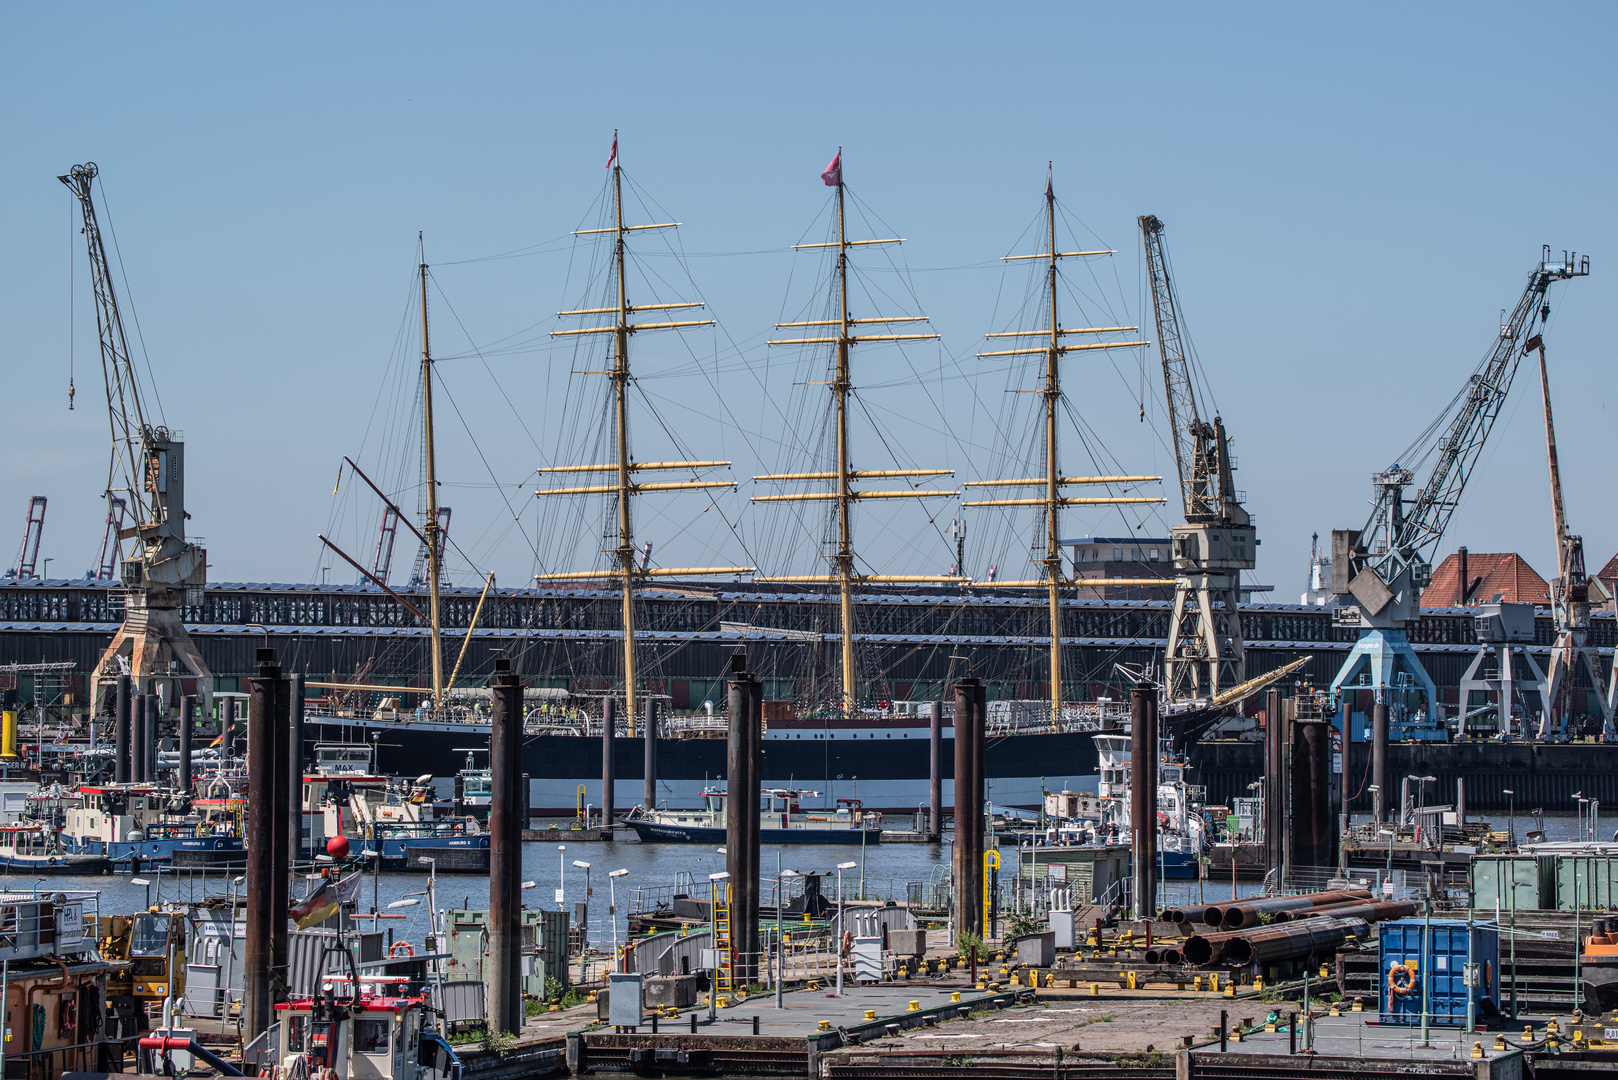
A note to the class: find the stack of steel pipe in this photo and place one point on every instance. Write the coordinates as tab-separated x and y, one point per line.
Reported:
1239	948
1247	913
1293	941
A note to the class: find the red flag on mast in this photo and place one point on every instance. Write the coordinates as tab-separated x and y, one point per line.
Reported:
612	157
833	175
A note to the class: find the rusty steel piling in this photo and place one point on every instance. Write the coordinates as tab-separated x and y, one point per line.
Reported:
746	700
970	699
121	723
935	773
506	809
294	770
188	715
1143	798
261	868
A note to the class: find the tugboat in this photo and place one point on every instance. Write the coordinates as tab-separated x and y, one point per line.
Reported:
1182	836
29	849
781	821
136	825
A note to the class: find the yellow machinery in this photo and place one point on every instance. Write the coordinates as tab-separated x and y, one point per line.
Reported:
153	942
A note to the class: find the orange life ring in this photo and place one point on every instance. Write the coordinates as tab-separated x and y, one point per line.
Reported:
848	941
1396	987
393	950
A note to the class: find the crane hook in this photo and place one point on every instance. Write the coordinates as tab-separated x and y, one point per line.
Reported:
70	393
1143	412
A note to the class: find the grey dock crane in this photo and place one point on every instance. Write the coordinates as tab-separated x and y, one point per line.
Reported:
165	573
1205	653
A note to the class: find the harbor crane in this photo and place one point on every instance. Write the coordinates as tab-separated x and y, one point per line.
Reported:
1205	653
1384	565
28	557
146	470
1570	594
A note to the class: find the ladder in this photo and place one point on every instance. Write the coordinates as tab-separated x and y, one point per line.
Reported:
721	936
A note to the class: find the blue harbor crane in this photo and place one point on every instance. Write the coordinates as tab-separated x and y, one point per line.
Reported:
1384	566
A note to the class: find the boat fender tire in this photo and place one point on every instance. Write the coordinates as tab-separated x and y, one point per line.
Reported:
393	950
848	941
1400	981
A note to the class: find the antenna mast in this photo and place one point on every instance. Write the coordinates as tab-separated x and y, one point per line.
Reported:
430	526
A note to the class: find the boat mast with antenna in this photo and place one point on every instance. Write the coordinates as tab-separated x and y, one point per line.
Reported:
845	475
430	526
1053	481
625	487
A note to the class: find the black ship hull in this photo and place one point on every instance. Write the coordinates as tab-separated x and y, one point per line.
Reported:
886	767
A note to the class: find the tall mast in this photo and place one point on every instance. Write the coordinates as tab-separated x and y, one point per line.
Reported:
840	388
620	390
1052	500
430	527
625	487
845	475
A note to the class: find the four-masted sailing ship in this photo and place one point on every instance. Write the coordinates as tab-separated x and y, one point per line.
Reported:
841	744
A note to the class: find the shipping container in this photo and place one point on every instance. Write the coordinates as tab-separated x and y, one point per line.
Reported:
1586	882
544	947
1423	963
1508	882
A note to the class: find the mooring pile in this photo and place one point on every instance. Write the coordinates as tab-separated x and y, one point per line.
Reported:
1275	928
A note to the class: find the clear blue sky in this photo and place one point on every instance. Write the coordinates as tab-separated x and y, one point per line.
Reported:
1351	197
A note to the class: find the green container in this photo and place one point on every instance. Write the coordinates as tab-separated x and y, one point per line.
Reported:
544	947
1526	882
1586	882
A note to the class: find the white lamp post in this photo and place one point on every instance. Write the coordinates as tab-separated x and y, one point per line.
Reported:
780	902
561	881
612	905
837	945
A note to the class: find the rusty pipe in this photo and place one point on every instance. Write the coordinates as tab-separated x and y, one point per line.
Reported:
1194	914
1369	910
1204	949
1291	942
1240	916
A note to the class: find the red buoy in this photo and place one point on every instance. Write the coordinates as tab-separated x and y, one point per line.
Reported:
337	847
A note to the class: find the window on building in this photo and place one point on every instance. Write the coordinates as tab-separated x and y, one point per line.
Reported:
1117	554
1152	554
1136	555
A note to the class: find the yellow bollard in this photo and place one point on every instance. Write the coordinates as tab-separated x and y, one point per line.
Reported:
1552	1028
1500	1043
1095	989
1129	977
721	1002
825	1025
1196	982
1213	982
1014	979
8	733
1236	1036
1258	984
1359	1005
870	1014
1528	1033
915	1006
1477	1049
1323	972
955	995
983	984
1230	990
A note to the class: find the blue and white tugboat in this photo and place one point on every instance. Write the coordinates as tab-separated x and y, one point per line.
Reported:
136	825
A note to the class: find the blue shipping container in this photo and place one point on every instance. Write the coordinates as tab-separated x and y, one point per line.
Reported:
1437	967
